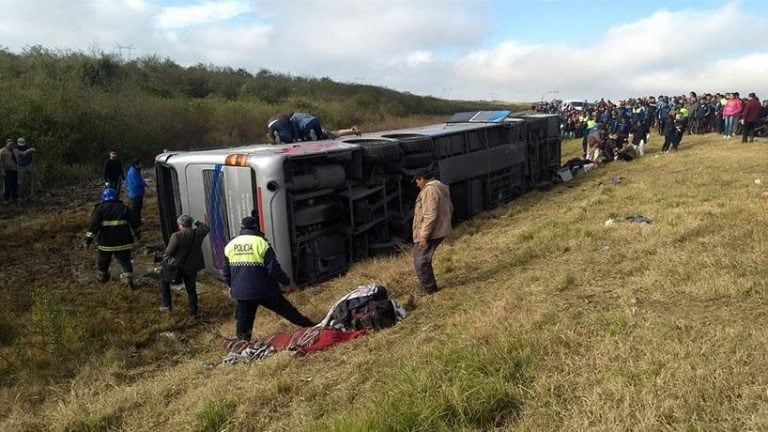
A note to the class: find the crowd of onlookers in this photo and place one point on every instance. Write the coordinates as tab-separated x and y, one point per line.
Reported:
619	130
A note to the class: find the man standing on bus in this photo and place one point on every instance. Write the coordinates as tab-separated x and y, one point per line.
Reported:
253	273
431	224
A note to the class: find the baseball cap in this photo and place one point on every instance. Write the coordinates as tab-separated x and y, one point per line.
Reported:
420	172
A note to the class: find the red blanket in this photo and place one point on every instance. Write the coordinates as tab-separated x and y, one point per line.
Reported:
302	341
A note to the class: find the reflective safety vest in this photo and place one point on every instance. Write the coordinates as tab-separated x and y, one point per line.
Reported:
251	268
246	250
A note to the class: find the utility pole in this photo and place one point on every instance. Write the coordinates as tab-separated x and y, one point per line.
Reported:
128	48
548	92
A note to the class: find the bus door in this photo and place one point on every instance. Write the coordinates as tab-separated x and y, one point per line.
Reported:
225	194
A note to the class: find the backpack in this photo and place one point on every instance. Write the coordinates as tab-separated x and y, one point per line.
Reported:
374	315
367	307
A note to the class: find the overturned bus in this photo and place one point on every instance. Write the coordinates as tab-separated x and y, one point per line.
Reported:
326	204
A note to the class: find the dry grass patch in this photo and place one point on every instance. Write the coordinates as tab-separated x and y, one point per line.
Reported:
548	320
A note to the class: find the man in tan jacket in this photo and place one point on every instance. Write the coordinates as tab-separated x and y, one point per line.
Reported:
431	224
10	166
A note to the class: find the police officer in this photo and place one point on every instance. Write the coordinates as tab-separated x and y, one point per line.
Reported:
255	278
111	223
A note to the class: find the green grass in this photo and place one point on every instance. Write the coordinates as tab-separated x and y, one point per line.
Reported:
548	320
215	416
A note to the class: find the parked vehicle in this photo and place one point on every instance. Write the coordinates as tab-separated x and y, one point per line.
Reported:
326	204
579	105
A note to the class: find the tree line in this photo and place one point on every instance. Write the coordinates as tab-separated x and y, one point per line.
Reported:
75	106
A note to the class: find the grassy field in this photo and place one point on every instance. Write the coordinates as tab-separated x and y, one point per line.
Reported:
548	320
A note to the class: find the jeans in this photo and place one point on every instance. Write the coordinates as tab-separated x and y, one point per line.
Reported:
190	283
27	181
246	314
730	122
422	265
313	125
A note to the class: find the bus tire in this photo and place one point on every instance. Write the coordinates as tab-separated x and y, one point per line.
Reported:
417	160
380	151
416	145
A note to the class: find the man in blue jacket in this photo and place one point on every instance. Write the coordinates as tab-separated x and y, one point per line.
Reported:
255	278
136	187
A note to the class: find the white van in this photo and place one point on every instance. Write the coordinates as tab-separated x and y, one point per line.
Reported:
575	104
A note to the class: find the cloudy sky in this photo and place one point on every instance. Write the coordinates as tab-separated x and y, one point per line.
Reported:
459	49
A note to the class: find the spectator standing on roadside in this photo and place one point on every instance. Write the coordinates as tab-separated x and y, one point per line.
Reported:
663	113
749	117
672	135
638	135
431	225
24	155
184	250
113	172
731	112
10	166
700	115
690	107
136	187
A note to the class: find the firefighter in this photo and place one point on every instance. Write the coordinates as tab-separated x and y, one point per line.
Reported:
114	224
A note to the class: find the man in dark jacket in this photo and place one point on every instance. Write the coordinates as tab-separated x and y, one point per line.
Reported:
749	116
112	223
113	172
184	251
255	277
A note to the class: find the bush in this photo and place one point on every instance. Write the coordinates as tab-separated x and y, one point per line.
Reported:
74	107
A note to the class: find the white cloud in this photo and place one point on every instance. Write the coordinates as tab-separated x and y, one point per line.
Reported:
220	45
137	5
425	47
174	17
665	52
419	58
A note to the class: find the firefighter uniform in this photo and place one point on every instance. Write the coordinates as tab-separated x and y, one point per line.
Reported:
112	223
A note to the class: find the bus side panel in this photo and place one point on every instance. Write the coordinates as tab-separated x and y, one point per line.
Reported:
272	206
222	195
